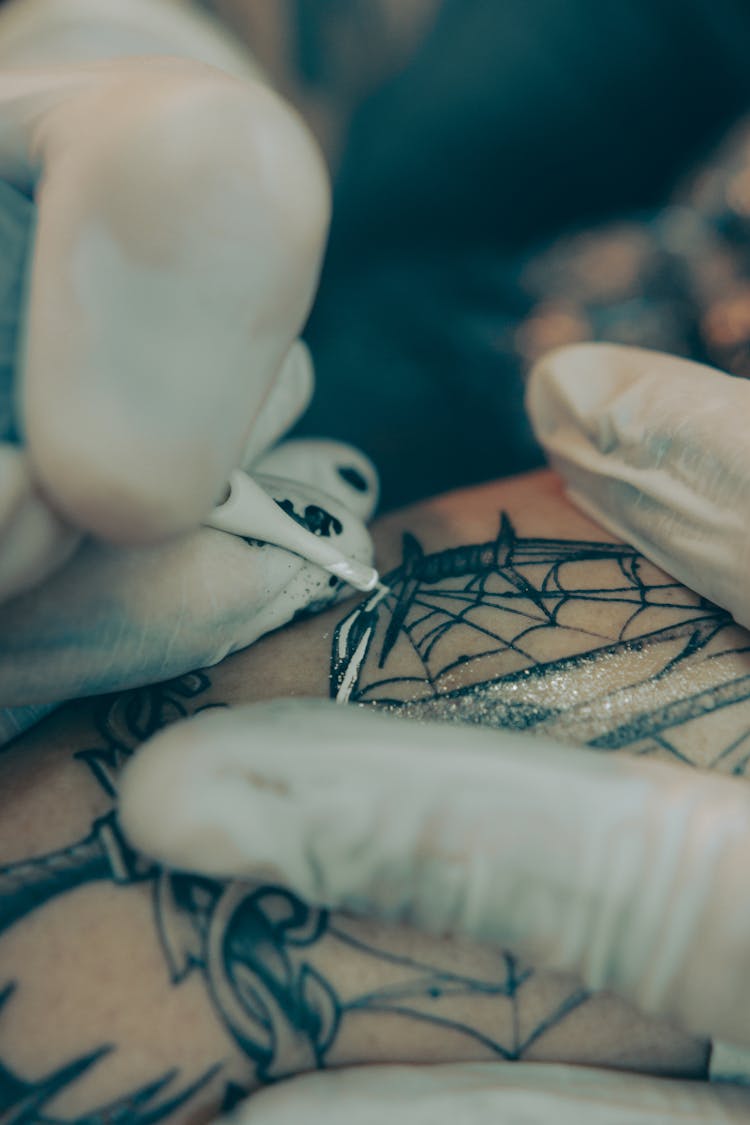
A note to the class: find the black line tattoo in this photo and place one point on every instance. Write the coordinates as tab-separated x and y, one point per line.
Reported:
26	1103
466	635
253	946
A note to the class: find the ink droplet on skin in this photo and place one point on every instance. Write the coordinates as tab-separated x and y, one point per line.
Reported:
353	477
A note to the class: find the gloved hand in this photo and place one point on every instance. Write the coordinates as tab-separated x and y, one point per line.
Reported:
656	449
635	879
115	617
492	1094
628	872
180	222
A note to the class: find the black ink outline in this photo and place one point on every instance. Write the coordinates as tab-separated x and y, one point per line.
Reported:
431	595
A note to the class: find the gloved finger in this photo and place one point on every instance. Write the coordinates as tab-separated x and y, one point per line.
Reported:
115	618
34	542
334	467
629	873
287	401
655	448
165	292
492	1094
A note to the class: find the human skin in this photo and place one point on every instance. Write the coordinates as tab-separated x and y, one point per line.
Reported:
222	987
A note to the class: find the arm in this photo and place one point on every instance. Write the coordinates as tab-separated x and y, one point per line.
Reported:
177	993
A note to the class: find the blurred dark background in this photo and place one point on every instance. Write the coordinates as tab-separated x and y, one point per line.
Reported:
504	126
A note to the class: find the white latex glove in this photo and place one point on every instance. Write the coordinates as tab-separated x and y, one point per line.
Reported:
656	449
180	225
630	873
492	1094
115	617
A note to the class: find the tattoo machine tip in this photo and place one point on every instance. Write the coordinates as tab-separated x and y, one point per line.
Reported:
249	512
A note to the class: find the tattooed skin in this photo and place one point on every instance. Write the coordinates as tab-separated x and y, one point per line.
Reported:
643	677
522	622
26	1103
254	948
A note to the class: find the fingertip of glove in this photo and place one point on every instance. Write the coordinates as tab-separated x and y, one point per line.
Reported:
222	815
337	469
158	786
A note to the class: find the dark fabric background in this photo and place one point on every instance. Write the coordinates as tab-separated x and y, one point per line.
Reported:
518	120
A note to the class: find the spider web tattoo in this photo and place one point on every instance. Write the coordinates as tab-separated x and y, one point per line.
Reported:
584	639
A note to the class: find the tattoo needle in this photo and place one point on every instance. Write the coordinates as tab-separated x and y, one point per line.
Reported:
250	512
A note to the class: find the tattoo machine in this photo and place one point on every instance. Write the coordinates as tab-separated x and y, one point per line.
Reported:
250	512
